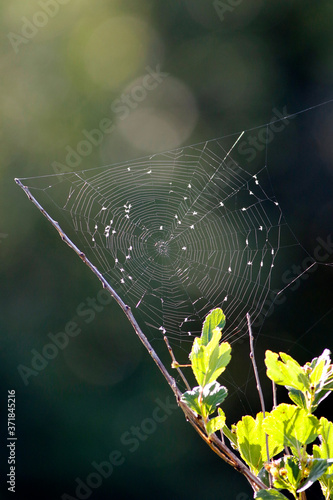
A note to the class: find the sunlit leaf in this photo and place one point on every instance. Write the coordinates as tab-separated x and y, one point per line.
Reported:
320	369
213	395
231	436
191	399
198	361
217	361
209	361
291	465
251	441
286	372
321	377
291	426
205	400
215	319
217	423
325	451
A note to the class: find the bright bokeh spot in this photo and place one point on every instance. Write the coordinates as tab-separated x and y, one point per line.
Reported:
164	119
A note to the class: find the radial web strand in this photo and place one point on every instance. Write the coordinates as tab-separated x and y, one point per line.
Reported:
176	234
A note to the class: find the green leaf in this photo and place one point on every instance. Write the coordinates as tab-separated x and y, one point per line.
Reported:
321	377
209	361
198	361
264	476
314	380
291	426
231	436
286	473
191	399
216	424
297	397
294	476
326	484
320	396
215	319
270	495
211	355
325	451
251	441
212	395
326	439
320	369
318	468
286	372
218	359
317	372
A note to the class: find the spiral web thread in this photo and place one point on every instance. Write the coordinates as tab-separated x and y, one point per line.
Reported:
176	234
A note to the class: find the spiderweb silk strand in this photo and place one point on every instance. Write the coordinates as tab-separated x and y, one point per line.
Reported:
176	234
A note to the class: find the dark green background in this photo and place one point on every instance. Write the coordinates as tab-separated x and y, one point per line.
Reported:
225	75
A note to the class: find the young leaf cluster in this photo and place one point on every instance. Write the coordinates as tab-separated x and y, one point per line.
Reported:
288	448
209	359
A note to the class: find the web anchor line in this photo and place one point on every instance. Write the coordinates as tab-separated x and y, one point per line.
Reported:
213	441
176	234
297	277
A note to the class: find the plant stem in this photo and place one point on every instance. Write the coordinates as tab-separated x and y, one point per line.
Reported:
221	449
175	361
256	374
213	442
274	394
255	369
105	284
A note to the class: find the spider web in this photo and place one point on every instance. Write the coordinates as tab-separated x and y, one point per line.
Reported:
176	233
